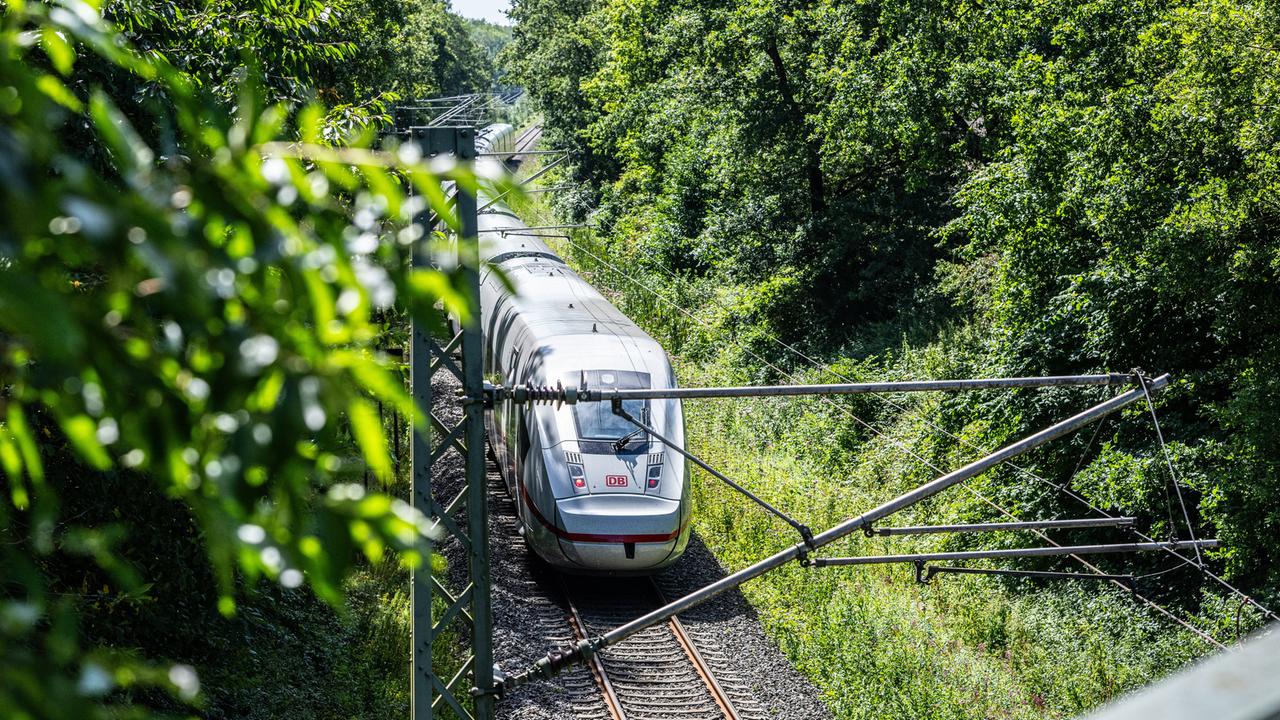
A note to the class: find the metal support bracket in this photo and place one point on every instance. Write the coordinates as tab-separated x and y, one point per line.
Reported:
467	610
1120	522
1016	553
923	574
532	394
585	394
851	525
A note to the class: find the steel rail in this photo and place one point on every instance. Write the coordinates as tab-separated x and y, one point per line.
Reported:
990	527
1014	553
699	664
611	701
611	696
529	138
553	662
600	394
522	144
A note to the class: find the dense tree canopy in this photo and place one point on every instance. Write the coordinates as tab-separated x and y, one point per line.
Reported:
361	53
493	38
1092	186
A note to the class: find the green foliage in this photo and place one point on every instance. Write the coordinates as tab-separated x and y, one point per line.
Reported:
553	50
211	42
493	39
905	189
190	303
357	56
414	50
1132	218
1091	187
874	641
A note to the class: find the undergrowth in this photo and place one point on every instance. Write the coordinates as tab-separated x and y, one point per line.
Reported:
876	642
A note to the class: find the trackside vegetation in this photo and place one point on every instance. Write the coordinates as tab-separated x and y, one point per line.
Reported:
901	190
203	264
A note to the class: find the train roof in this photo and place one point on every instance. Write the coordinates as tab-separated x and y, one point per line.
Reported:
576	327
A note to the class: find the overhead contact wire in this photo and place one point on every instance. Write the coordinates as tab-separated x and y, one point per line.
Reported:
1173	477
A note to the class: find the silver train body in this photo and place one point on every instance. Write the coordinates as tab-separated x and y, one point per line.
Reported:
584	505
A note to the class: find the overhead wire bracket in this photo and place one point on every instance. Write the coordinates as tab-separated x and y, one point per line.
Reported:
851	525
1015	553
585	394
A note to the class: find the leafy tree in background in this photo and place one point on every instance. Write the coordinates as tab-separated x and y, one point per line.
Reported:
357	56
554	49
1132	221
493	39
416	50
186	311
211	41
1081	187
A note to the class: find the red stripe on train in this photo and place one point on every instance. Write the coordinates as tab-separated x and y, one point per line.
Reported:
591	537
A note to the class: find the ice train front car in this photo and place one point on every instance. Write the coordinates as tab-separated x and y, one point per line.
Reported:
594	493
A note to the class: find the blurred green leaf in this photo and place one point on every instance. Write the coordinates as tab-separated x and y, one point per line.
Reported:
58	92
35	314
60	52
20	432
367	428
82	432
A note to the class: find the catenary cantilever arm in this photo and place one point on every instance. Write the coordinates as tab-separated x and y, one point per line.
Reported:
1068	523
601	394
1003	553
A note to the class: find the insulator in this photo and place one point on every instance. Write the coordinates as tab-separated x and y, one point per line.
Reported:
547	394
560	658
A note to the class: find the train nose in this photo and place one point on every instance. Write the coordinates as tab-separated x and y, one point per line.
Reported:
619	532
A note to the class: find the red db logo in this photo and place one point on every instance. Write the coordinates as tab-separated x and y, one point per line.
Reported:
615	480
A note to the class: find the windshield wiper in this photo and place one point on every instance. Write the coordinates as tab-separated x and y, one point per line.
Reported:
621	443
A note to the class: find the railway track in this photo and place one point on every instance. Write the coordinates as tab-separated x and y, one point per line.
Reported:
527	141
660	673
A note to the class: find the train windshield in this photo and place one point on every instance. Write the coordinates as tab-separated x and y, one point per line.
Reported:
596	420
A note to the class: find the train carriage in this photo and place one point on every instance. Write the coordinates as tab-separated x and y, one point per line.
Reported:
594	494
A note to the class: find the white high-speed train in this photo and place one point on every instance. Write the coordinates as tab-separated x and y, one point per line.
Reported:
594	493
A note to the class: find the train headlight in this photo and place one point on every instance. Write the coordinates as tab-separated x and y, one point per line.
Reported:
579	477
655	475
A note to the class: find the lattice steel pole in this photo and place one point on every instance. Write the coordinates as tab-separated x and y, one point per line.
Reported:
429	689
477	502
420	671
